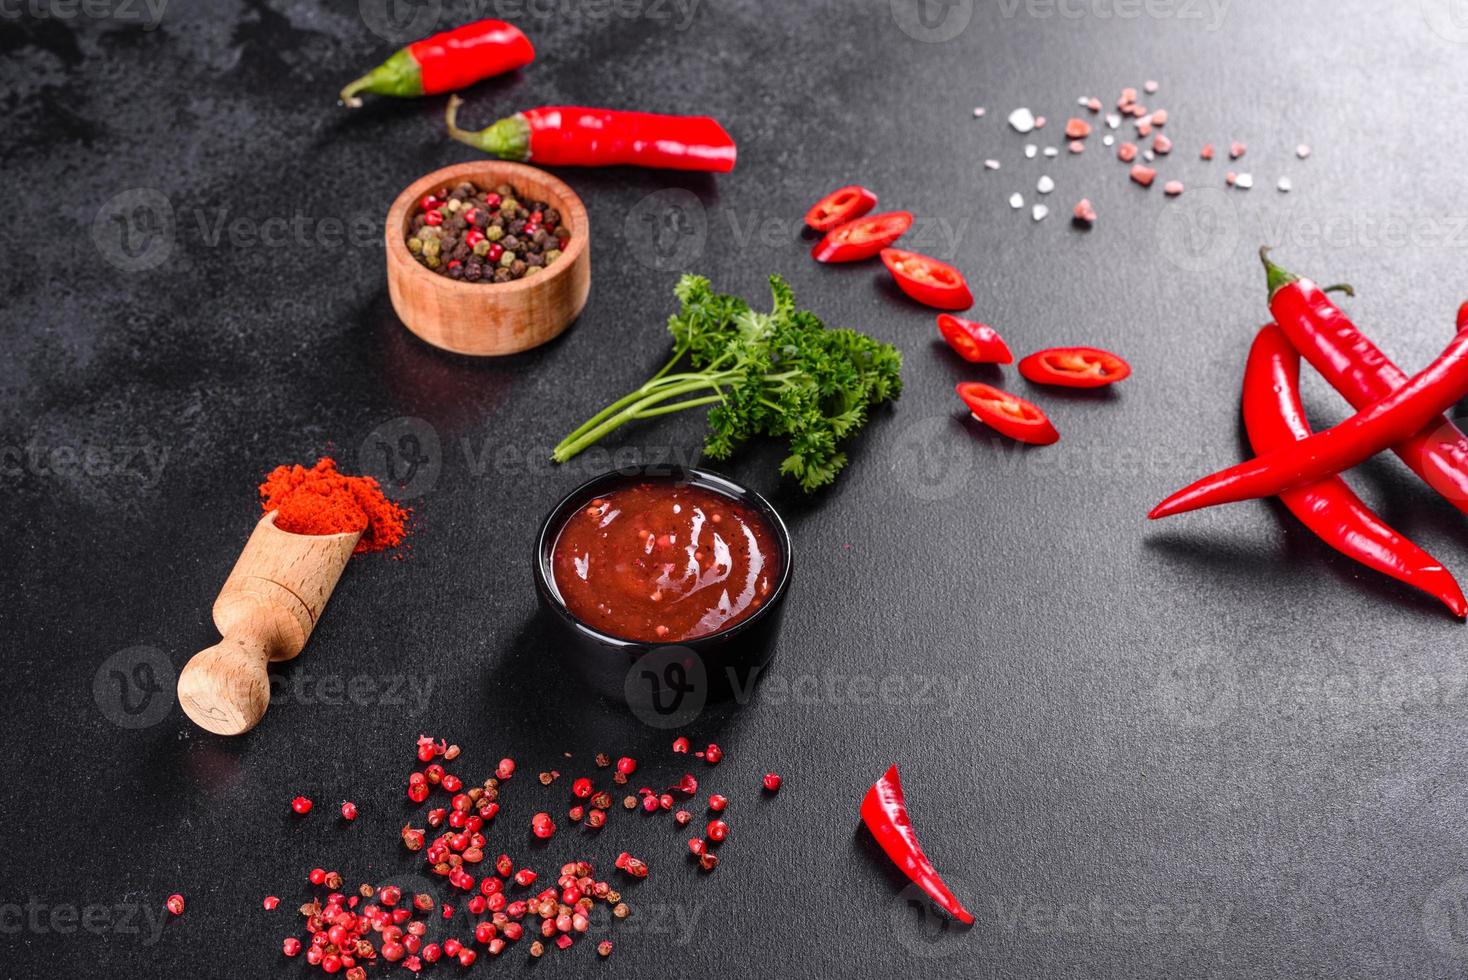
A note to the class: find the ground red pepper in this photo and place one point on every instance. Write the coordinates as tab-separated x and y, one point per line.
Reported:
321	500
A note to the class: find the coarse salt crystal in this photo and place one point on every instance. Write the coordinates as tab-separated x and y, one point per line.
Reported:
1235	150
1285	185
978	112
1302	151
991	164
1083	101
1039	122
1016	201
1051	152
1149	156
1045	184
1150	86
1039	212
1023	120
1112	120
1030	151
1244	181
1108	140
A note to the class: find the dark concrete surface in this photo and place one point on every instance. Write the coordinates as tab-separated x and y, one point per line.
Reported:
1207	748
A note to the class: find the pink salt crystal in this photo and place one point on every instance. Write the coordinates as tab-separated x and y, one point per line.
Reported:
1128	96
1143	175
1207	153
1138	111
1159	118
1235	150
1076	146
1077	129
1126	152
1150	87
1172	188
1084	212
1230	177
1094	104
1162	144
1144	129
1039	122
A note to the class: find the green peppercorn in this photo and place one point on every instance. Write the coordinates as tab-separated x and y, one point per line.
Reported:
507	258
481	247
532	270
509	206
415	245
431	249
504	190
551	255
429	231
453	205
432	261
494	233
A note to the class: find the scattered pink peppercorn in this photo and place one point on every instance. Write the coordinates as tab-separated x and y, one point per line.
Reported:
317	876
270	902
713	754
349	810
542	826
773	782
696	846
525	877
680	745
717	831
301	805
175	904
717	803
291	946
581	788
683	817
626	766
604	947
505	769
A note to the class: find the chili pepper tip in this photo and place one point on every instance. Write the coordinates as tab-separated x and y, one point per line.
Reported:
1277	278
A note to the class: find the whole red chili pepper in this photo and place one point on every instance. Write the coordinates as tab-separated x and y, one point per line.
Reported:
1379	426
1274	418
1354	366
884	811
575	136
446	62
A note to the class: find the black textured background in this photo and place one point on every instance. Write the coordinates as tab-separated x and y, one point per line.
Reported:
1205	748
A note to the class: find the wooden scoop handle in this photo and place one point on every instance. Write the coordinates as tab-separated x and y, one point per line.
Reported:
266	611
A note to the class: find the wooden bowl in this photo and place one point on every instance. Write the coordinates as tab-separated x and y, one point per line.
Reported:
490	318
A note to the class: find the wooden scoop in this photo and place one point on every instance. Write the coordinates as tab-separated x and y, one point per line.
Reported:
266	611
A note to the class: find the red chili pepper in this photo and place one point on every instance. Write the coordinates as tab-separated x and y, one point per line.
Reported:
1275	419
884	811
575	136
1074	367
446	62
1354	366
925	279
1463	318
975	342
1379	426
862	238
1008	414
839	207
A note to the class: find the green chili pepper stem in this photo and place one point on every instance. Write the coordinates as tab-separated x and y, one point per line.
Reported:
508	139
1340	287
1277	278
398	76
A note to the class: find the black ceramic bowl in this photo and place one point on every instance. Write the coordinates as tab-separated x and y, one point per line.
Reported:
664	683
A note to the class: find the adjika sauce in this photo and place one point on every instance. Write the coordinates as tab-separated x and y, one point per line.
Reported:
664	562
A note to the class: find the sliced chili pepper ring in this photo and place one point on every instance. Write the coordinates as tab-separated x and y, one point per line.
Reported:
927	280
1074	367
839	207
862	238
975	342
1008	414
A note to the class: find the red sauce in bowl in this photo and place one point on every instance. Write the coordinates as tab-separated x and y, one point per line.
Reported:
664	562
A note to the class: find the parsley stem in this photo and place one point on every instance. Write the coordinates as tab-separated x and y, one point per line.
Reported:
621	412
680	406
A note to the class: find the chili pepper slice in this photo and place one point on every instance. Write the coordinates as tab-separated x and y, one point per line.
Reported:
1074	367
576	136
1379	426
975	342
1356	368
884	811
446	62
840	206
925	279
1274	418
1008	414
862	238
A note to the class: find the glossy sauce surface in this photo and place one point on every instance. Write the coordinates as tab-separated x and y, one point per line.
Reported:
661	561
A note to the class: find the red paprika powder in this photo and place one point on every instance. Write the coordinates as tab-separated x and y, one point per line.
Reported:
321	500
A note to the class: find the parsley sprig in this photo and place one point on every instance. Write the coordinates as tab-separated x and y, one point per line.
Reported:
779	374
